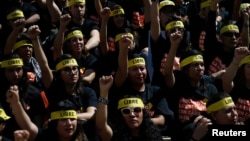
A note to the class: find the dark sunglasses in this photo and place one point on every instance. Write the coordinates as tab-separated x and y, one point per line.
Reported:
176	29
230	34
127	111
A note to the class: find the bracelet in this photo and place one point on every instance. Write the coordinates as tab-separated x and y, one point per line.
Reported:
103	100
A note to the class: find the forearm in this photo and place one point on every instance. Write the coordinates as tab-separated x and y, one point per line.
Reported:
94	40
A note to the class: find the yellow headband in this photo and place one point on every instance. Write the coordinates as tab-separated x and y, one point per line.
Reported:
166	3
73	34
15	14
191	59
118	36
12	63
174	24
115	12
3	114
66	63
130	102
226	102
136	61
72	2
244	6
245	60
231	27
63	114
205	4
22	43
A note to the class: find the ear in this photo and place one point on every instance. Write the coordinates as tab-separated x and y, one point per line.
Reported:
220	38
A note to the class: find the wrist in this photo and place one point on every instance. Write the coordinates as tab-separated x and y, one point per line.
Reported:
35	38
103	100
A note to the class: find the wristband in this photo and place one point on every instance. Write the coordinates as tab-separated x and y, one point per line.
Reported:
103	100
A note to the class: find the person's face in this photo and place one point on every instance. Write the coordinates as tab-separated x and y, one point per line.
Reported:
70	75
2	126
77	10
175	30
133	116
118	20
227	115
196	70
14	74
165	13
66	128
25	52
77	44
230	39
137	74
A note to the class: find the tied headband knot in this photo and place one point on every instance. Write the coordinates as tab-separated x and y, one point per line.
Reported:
226	102
12	63
130	102
174	24
66	63
66	114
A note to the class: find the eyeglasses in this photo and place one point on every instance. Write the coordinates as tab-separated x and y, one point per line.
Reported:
69	70
231	34
127	111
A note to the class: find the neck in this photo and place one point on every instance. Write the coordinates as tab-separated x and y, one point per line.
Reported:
70	88
140	87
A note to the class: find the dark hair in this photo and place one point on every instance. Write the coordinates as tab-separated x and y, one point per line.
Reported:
217	97
51	129
57	74
22	84
187	53
66	44
148	130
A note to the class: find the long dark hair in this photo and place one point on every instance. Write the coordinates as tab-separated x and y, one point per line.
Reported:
52	133
59	80
121	131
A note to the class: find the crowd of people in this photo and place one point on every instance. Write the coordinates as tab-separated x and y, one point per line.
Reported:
122	70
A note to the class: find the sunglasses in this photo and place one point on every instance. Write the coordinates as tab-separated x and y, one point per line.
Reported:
68	70
176	29
230	34
127	111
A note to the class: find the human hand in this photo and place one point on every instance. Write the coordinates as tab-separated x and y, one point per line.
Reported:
34	32
12	95
105	83
64	21
21	135
104	13
201	129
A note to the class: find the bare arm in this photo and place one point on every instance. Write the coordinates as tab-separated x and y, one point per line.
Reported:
103	129
175	39
94	40
104	13
155	21
122	72
147	8
59	39
54	11
47	75
11	40
231	70
21	117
